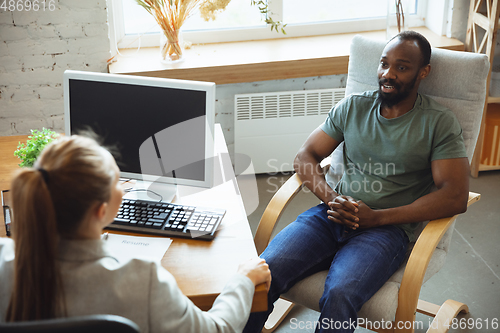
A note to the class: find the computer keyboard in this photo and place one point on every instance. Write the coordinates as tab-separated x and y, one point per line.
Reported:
167	219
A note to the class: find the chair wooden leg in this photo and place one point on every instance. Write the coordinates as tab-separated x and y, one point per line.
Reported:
427	308
443	320
281	309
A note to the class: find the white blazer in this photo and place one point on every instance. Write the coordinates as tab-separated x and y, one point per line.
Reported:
95	282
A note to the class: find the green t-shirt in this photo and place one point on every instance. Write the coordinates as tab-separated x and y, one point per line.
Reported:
387	162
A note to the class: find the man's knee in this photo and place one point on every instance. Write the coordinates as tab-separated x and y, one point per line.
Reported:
278	268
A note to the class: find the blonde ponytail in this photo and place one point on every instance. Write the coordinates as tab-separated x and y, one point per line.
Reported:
49	202
37	283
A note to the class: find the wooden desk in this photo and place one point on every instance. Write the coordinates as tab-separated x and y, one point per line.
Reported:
201	268
8	162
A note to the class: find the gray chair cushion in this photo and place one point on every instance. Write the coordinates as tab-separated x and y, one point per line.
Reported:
457	81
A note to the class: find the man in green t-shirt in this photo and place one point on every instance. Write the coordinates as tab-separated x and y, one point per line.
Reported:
398	145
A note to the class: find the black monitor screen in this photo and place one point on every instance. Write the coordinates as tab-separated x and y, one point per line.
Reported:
158	131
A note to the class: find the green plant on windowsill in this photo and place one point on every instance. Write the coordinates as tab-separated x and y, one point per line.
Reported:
28	153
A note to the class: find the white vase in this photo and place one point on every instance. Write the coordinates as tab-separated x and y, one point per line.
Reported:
397	13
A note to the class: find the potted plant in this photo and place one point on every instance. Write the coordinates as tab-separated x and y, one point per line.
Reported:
28	153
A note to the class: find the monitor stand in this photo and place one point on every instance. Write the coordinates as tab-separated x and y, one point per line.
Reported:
153	191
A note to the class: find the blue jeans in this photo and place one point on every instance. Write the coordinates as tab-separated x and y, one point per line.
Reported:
359	262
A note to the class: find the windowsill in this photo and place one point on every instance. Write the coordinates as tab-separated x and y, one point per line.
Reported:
258	60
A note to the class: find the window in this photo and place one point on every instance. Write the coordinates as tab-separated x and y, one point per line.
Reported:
294	12
133	26
238	14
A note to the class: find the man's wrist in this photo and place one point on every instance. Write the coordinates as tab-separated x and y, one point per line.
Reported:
380	217
331	197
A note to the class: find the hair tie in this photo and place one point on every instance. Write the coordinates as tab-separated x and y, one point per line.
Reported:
45	175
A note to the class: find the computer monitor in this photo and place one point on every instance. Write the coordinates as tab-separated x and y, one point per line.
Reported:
162	128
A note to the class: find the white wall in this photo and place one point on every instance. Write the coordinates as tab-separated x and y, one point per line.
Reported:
35	49
458	15
437	16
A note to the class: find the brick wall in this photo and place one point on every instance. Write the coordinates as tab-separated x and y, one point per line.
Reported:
36	47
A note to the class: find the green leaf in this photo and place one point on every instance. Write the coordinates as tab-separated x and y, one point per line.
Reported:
264	10
28	153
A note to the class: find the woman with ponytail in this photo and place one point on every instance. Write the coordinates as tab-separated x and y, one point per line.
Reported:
57	266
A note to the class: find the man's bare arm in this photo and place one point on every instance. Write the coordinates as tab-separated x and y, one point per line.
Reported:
307	165
451	177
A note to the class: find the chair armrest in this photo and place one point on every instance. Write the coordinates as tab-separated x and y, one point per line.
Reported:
277	206
274	210
418	262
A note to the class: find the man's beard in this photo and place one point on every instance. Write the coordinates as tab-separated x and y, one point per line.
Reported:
389	100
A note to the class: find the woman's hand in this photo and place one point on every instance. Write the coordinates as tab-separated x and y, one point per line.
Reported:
257	271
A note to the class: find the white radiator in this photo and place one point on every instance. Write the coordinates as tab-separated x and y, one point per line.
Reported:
271	127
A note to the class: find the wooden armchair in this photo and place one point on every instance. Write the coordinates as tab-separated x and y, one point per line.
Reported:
458	81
